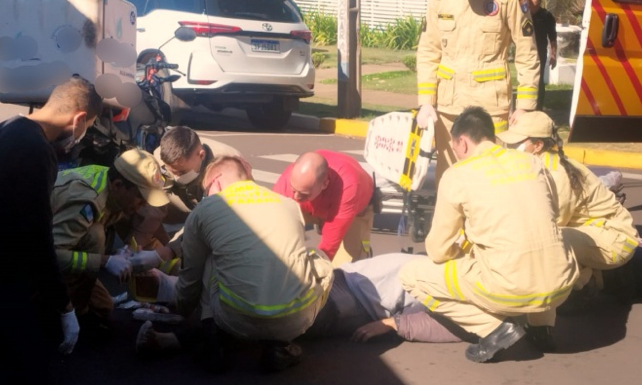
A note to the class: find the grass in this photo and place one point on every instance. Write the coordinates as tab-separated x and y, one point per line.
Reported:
400	82
368	55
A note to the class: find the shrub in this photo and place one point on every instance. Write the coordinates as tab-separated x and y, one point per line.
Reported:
410	61
318	58
322	26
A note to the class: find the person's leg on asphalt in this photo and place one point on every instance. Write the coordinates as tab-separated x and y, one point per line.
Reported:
356	243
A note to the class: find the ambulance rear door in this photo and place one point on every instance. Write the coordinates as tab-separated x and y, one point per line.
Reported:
607	96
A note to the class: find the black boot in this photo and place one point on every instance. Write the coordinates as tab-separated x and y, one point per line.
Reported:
278	356
541	337
503	337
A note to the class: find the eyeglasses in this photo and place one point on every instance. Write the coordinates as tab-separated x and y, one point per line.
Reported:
208	186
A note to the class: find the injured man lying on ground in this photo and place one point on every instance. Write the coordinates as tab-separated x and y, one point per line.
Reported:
366	300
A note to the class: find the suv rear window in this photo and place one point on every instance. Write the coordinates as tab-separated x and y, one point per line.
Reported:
144	7
283	11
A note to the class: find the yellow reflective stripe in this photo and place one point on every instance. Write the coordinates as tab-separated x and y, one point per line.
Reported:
537	299
489	74
426	88
267	311
412	153
430	303
597	222
74	260
500	126
78	261
629	245
100	181
496	150
445	72
366	246
83	261
452	284
167	266
526	93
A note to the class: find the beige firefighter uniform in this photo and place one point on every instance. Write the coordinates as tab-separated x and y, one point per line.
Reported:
80	216
598	228
462	60
245	260
518	264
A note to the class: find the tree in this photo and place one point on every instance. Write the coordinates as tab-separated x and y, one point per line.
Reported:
566	11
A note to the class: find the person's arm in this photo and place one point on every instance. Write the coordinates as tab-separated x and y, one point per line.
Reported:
447	222
428	58
336	228
552	39
526	58
190	276
146	222
71	223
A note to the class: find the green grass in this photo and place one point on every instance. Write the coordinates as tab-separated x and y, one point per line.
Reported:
400	82
368	55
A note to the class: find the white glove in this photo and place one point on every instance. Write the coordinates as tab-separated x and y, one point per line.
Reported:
119	266
145	260
70	331
426	112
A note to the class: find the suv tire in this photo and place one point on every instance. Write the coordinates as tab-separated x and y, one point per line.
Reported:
271	116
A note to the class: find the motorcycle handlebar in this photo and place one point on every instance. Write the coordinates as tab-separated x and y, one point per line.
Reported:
162	65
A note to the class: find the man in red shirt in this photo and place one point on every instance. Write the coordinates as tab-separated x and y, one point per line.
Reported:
335	192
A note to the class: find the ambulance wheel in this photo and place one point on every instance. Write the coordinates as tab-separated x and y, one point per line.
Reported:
417	232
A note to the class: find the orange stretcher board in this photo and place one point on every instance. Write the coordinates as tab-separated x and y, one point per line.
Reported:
607	96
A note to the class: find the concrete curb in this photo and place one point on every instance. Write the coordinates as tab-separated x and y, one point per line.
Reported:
588	156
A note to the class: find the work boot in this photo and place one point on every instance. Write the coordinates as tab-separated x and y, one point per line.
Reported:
541	337
503	337
278	356
214	355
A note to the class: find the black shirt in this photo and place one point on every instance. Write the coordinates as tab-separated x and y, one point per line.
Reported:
544	25
28	170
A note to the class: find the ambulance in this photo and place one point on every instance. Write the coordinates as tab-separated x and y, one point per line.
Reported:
607	94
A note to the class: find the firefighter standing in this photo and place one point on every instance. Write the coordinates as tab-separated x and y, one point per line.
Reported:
462	60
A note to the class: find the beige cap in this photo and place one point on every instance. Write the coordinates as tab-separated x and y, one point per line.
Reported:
535	124
140	168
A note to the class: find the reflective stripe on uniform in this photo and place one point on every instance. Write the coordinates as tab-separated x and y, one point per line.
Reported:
551	161
430	303
496	150
445	72
452	283
167	266
366	246
538	299
489	74
526	93
426	88
266	311
78	261
500	126
597	222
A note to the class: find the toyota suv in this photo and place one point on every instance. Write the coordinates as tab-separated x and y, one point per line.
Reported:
249	54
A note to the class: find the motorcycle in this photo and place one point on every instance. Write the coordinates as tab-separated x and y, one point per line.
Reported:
142	126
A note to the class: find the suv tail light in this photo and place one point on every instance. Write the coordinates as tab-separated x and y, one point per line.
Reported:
208	29
304	35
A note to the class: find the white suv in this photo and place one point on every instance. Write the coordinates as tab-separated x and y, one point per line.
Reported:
248	54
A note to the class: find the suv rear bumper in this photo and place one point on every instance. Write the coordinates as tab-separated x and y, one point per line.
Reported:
241	93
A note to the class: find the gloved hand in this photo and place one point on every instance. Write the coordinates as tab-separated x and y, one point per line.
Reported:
119	266
70	331
145	260
426	112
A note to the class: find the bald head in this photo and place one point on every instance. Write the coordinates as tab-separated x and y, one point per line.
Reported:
309	176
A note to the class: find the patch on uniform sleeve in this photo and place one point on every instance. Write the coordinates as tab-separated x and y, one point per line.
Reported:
87	212
524	6
527	27
491	8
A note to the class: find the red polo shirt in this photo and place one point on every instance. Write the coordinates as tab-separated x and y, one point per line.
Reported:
348	194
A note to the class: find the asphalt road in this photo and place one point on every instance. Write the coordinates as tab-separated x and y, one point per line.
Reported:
600	346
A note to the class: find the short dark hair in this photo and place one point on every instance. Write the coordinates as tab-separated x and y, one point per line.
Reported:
178	142
476	123
113	174
76	94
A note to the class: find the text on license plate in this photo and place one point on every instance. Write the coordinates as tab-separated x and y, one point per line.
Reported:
265	45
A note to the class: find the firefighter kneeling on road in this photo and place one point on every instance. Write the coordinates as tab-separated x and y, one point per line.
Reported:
85	202
502	199
246	263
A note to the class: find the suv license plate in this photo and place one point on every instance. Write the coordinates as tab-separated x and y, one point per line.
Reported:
265	46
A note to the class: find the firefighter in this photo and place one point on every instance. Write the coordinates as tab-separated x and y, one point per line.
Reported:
86	201
518	263
595	225
337	194
462	60
246	263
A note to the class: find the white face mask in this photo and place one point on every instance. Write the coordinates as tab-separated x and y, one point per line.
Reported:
186	178
522	147
69	142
